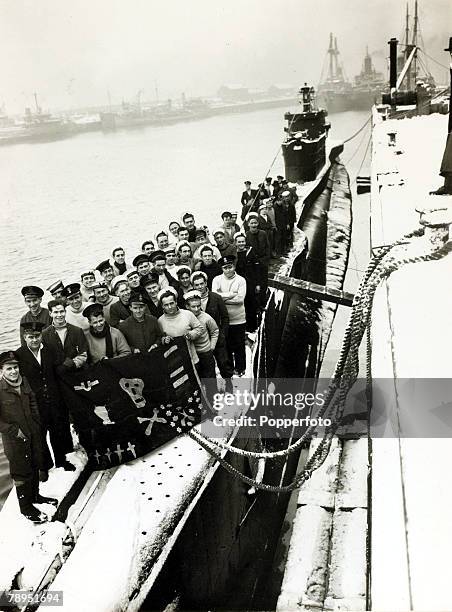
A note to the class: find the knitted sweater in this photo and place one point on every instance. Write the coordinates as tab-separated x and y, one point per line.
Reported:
183	322
207	341
97	346
233	291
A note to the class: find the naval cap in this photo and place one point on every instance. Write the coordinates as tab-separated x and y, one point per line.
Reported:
149	279
137	298
104	265
93	309
87	273
7	357
226	260
192	294
32	291
166	292
33	326
157	255
139	259
197	275
55	287
71	290
117	281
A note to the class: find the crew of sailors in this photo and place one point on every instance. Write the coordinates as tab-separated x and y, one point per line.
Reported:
207	286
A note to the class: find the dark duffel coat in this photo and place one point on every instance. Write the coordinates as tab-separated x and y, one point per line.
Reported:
52	409
21	412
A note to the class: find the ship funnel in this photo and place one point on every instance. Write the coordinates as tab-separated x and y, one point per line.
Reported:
393	63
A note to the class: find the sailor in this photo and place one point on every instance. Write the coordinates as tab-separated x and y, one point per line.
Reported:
106	270
184	252
268	187
227	226
257	239
87	280
37	365
277	184
247	199
120	310
104	342
20	427
118	261
66	341
270	214
103	297
161	240
171	260
173	228
213	304
56	290
183	276
248	266
75	306
184	236
133	278
33	298
208	265
225	247
165	279
189	221
141	329
142	264
205	343
232	288
151	288
148	247
201	241
176	322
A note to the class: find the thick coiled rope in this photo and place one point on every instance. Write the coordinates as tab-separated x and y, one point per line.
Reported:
346	371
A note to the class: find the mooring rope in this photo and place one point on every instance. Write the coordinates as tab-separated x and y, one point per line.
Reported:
345	374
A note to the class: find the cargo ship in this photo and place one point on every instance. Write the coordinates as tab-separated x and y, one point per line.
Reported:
34	127
338	94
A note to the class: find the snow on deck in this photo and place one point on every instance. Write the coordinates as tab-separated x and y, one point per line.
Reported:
411	339
403	174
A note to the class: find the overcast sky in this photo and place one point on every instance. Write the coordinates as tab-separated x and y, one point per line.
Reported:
73	52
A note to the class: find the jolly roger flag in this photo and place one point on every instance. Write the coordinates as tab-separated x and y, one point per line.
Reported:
125	407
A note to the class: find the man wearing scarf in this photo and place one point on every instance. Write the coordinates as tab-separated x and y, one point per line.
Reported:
104	342
118	261
141	329
75	305
20	427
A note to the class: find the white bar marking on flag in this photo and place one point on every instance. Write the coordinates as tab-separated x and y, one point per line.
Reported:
180	381
176	372
169	351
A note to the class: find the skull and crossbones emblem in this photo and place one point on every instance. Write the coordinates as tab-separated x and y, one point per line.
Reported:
134	389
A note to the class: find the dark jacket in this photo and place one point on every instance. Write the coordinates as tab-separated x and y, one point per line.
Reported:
52	409
20	412
42	380
141	335
213	270
248	266
261	246
118	312
216	308
74	344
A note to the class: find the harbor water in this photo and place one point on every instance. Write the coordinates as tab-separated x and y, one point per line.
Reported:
66	204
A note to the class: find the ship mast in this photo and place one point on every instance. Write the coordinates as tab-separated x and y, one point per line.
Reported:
407	46
414	41
331	53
